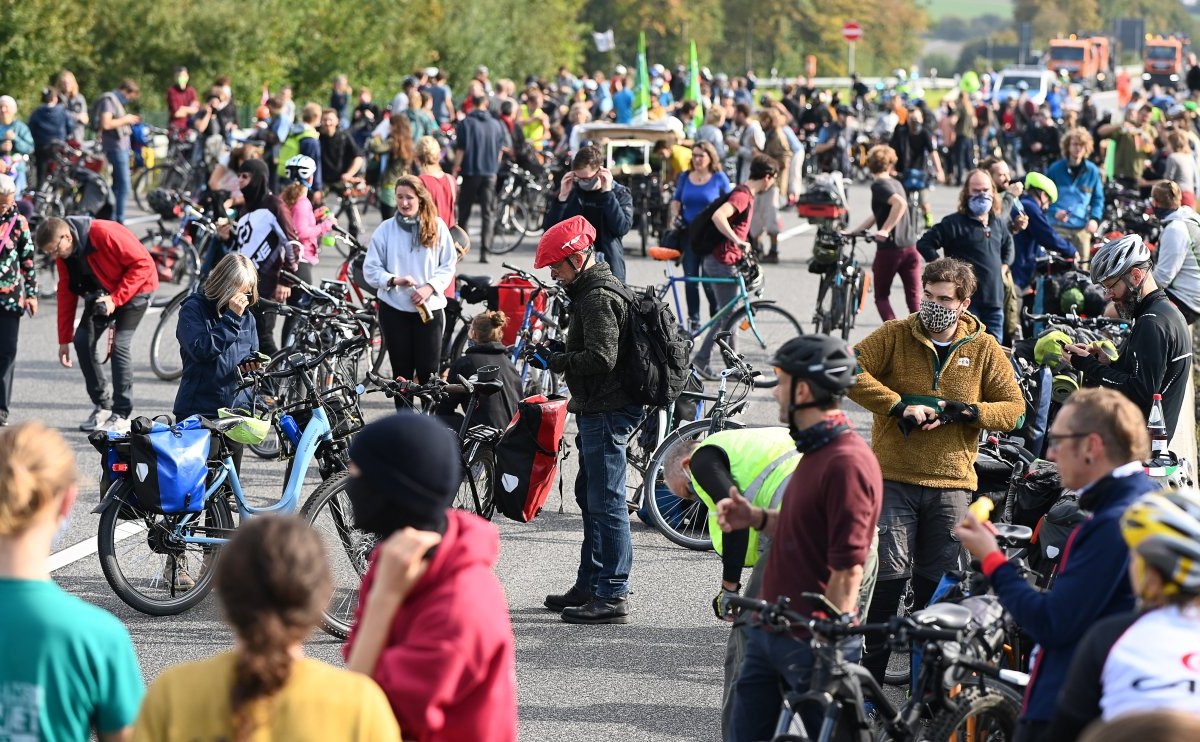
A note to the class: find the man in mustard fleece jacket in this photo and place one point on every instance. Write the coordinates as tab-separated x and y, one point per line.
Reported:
933	380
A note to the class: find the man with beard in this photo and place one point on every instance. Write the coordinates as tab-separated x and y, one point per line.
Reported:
1157	357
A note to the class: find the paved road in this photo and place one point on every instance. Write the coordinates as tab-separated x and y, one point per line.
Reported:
656	679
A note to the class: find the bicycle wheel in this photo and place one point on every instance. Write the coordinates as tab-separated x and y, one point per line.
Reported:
508	230
759	331
141	558
275	394
684	522
165	359
983	714
347	549
643	442
851	302
475	493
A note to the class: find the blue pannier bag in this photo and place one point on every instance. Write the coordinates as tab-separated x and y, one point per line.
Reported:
915	180
169	465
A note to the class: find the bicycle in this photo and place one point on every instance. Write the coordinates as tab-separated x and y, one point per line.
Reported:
477	442
539	326
519	199
192	541
353	195
685	522
844	287
176	253
758	326
957	686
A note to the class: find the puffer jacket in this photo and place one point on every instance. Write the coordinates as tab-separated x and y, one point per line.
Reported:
594	341
899	364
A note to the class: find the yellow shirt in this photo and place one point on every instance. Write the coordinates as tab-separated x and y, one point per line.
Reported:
680	161
319	702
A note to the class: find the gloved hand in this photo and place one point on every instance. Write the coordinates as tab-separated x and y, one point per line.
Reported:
556	346
538	355
960	412
723	609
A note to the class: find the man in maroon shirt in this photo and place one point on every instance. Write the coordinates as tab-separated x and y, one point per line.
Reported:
181	102
820	537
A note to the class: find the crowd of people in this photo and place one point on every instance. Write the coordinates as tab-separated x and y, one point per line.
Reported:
810	505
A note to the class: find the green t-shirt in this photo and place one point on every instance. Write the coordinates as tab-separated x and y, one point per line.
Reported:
66	666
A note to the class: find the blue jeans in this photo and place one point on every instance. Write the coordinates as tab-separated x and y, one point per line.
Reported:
606	556
993	320
119	159
770	659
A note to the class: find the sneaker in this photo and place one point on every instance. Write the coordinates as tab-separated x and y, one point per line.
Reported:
928	220
771	258
115	424
3	418
573	598
94	419
176	568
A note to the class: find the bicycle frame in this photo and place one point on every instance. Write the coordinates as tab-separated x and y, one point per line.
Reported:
315	432
742	299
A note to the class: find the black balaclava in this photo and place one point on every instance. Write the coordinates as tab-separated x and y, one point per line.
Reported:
256	191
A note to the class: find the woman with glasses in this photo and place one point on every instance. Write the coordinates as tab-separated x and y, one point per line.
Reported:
694	191
1098	440
974	234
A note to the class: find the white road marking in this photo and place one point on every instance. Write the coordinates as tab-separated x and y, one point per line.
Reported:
87	547
795	231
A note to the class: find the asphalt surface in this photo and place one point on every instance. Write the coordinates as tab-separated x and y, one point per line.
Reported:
658	678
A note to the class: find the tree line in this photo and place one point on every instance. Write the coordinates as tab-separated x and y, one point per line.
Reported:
377	42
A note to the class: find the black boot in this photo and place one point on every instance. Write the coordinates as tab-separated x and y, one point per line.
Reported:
599	610
573	598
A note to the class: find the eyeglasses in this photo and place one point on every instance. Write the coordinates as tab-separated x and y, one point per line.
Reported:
1053	440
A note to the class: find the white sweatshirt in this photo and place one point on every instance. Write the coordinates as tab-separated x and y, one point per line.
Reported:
394	252
1177	269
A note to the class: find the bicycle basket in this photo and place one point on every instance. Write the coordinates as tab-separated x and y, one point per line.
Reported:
251	430
345	415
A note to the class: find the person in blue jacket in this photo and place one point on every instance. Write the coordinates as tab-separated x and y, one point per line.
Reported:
588	190
49	125
217	336
1039	236
1080	205
1098	440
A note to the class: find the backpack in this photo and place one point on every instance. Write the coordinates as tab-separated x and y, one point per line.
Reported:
94	111
656	363
526	457
169	464
290	148
703	236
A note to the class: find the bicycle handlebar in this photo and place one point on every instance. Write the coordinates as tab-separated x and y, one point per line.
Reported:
431	389
1074	320
529	276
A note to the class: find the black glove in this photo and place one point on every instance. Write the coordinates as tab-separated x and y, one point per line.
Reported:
721	605
538	355
905	424
959	412
555	346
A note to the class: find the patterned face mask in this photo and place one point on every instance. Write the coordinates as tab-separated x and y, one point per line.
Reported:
937	318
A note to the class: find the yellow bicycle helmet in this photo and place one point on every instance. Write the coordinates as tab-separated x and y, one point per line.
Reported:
1043	184
251	430
1163	528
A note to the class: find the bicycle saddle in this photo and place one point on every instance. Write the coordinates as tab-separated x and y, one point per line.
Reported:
476	282
943	616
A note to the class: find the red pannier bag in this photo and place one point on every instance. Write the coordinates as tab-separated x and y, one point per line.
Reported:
513	294
526	457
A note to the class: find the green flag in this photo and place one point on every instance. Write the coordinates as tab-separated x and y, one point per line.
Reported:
641	89
693	88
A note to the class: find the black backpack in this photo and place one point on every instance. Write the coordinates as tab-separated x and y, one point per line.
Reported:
656	362
703	236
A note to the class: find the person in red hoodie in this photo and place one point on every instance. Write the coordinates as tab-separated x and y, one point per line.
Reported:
432	628
106	265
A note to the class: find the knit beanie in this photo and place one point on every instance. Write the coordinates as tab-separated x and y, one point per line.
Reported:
409	470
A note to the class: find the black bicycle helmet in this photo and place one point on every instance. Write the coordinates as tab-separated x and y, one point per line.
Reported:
822	360
162	202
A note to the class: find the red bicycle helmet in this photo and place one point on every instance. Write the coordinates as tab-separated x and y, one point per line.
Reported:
564	239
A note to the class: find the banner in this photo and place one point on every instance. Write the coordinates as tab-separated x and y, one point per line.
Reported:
641	89
604	40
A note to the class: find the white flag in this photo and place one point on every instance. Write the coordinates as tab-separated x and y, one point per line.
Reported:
604	41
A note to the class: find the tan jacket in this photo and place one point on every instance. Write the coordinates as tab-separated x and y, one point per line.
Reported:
898	363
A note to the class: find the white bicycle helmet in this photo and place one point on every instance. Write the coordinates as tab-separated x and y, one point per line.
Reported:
1113	259
301	168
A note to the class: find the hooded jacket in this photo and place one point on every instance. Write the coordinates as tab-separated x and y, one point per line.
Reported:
1082	196
594	341
898	363
212	344
1090	585
1177	268
121	265
264	232
449	665
610	212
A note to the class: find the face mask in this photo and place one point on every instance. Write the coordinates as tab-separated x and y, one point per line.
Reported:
181	81
936	318
408	222
979	204
1161	214
589	184
227	92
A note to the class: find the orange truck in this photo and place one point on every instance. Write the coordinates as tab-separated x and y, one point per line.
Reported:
1163	60
1086	60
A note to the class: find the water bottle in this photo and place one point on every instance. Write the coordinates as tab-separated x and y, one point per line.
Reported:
1157	426
290	428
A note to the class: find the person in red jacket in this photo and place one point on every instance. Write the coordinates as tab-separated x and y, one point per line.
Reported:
433	628
103	263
